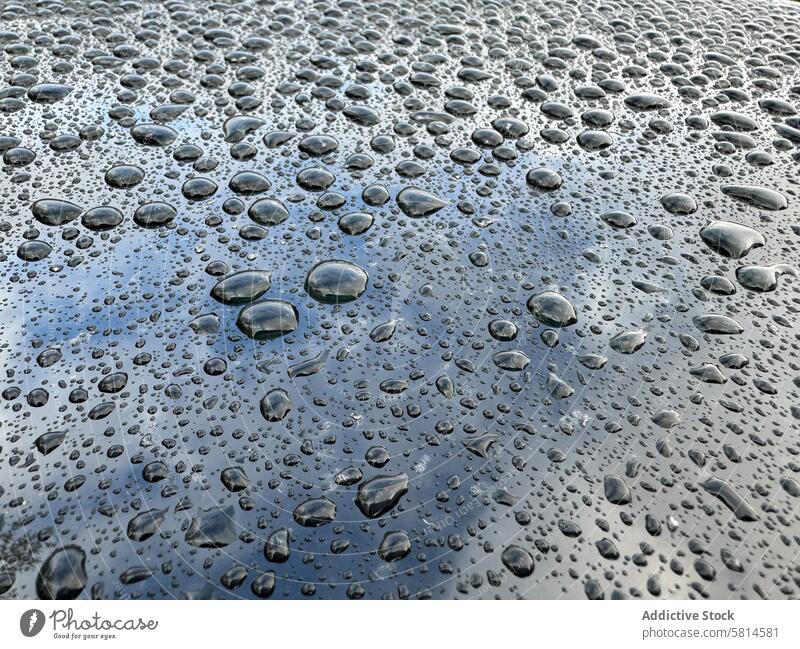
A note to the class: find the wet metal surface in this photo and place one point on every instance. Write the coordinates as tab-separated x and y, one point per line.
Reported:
368	299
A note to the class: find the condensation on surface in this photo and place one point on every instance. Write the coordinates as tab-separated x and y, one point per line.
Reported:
409	300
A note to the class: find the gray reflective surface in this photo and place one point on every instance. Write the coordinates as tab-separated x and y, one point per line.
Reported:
353	299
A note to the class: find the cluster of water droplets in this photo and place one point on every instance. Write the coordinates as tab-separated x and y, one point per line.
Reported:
376	299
